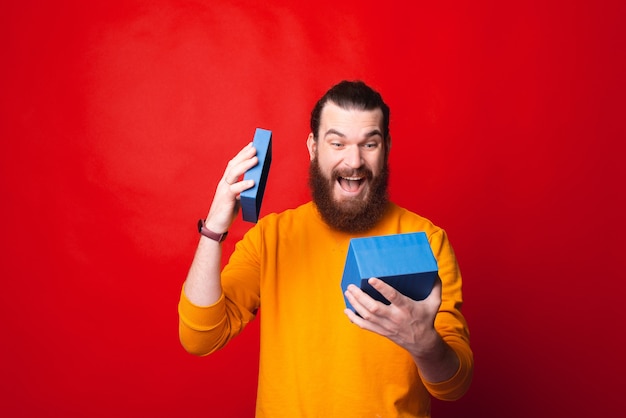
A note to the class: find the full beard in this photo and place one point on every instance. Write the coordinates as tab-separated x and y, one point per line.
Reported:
352	215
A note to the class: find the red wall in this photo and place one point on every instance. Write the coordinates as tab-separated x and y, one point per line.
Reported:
117	118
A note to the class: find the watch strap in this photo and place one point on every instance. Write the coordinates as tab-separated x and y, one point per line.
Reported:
203	230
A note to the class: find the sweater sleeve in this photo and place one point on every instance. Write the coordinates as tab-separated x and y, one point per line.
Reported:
450	322
206	329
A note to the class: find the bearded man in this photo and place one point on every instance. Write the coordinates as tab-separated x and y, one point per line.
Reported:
318	358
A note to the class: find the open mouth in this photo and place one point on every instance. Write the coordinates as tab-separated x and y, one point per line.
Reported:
351	184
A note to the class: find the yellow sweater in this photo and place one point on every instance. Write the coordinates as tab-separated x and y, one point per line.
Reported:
313	361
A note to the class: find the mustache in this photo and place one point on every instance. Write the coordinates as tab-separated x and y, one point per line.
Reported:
363	172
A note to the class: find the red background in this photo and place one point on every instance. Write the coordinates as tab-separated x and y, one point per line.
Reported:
118	117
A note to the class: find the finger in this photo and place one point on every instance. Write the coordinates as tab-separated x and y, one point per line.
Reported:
242	162
352	293
246	152
435	293
354	318
363	323
234	172
433	300
389	292
363	303
240	186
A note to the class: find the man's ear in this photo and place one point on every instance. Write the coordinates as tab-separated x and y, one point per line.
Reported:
311	144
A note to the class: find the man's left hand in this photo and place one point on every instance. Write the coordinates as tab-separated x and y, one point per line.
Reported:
408	323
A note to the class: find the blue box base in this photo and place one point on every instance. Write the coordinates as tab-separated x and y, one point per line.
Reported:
404	261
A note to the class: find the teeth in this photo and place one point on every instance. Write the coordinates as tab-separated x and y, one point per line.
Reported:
352	178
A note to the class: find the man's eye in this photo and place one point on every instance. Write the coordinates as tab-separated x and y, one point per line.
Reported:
371	146
335	144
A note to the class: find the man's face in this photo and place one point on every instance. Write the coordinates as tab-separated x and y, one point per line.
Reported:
348	167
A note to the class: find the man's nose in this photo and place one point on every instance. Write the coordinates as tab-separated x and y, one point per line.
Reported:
353	158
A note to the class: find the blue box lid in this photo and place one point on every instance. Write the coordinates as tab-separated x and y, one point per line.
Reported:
252	198
404	261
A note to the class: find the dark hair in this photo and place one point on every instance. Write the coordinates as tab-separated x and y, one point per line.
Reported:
347	95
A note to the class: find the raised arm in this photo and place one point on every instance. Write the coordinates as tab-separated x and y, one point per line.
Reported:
202	286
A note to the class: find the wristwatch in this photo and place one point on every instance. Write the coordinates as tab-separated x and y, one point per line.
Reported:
210	234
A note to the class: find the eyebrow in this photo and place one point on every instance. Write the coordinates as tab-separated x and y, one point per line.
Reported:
368	135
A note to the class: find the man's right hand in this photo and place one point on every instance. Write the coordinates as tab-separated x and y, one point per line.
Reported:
225	204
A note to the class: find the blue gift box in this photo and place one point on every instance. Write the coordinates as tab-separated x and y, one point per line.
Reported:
404	261
252	198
